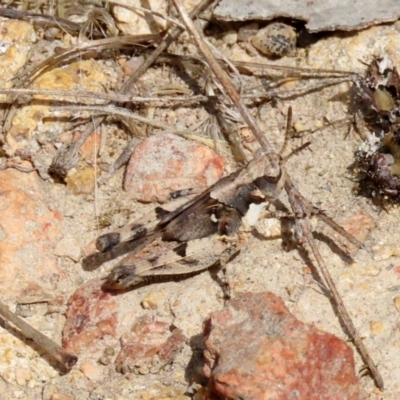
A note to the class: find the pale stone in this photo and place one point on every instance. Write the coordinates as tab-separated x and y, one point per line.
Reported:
22	376
230	37
16	39
133	22
397	303
153	300
91	370
68	246
82	181
376	327
367	270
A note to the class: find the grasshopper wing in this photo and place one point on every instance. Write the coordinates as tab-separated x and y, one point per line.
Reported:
164	259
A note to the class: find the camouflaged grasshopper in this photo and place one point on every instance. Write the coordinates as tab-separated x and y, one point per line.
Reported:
197	234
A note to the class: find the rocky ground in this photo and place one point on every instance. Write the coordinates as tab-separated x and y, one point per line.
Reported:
47	227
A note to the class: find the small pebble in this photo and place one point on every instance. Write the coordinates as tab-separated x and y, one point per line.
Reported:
276	40
270	227
91	370
143	370
165	163
69	246
82	181
22	376
247	31
383	252
306	270
108	354
376	327
133	64
367	270
90	149
152	301
230	37
298	126
397	303
247	135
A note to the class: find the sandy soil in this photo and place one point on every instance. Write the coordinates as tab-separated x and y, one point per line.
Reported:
368	284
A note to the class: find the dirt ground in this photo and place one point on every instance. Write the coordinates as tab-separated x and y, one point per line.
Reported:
369	284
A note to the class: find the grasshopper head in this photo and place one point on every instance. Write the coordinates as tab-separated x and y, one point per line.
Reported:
266	171
122	277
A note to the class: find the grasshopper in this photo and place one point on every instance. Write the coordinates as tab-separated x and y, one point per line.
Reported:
198	233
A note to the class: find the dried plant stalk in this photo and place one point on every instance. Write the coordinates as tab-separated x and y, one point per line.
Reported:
65	358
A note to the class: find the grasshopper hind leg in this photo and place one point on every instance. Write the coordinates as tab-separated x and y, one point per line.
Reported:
169	260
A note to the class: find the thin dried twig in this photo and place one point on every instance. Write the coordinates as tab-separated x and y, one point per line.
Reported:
71	53
16	166
222	76
121	112
299	71
47	20
114	97
159	101
169	38
298	203
65	358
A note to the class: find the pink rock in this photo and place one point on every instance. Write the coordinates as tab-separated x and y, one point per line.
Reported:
172	346
360	225
29	233
91	315
148	338
22	376
92	371
165	163
256	349
90	149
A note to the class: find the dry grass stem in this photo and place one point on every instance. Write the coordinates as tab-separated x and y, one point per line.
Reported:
65	358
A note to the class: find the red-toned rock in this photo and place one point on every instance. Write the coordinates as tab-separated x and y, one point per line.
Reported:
90	149
147	339
256	349
172	346
91	316
165	163
360	225
29	232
